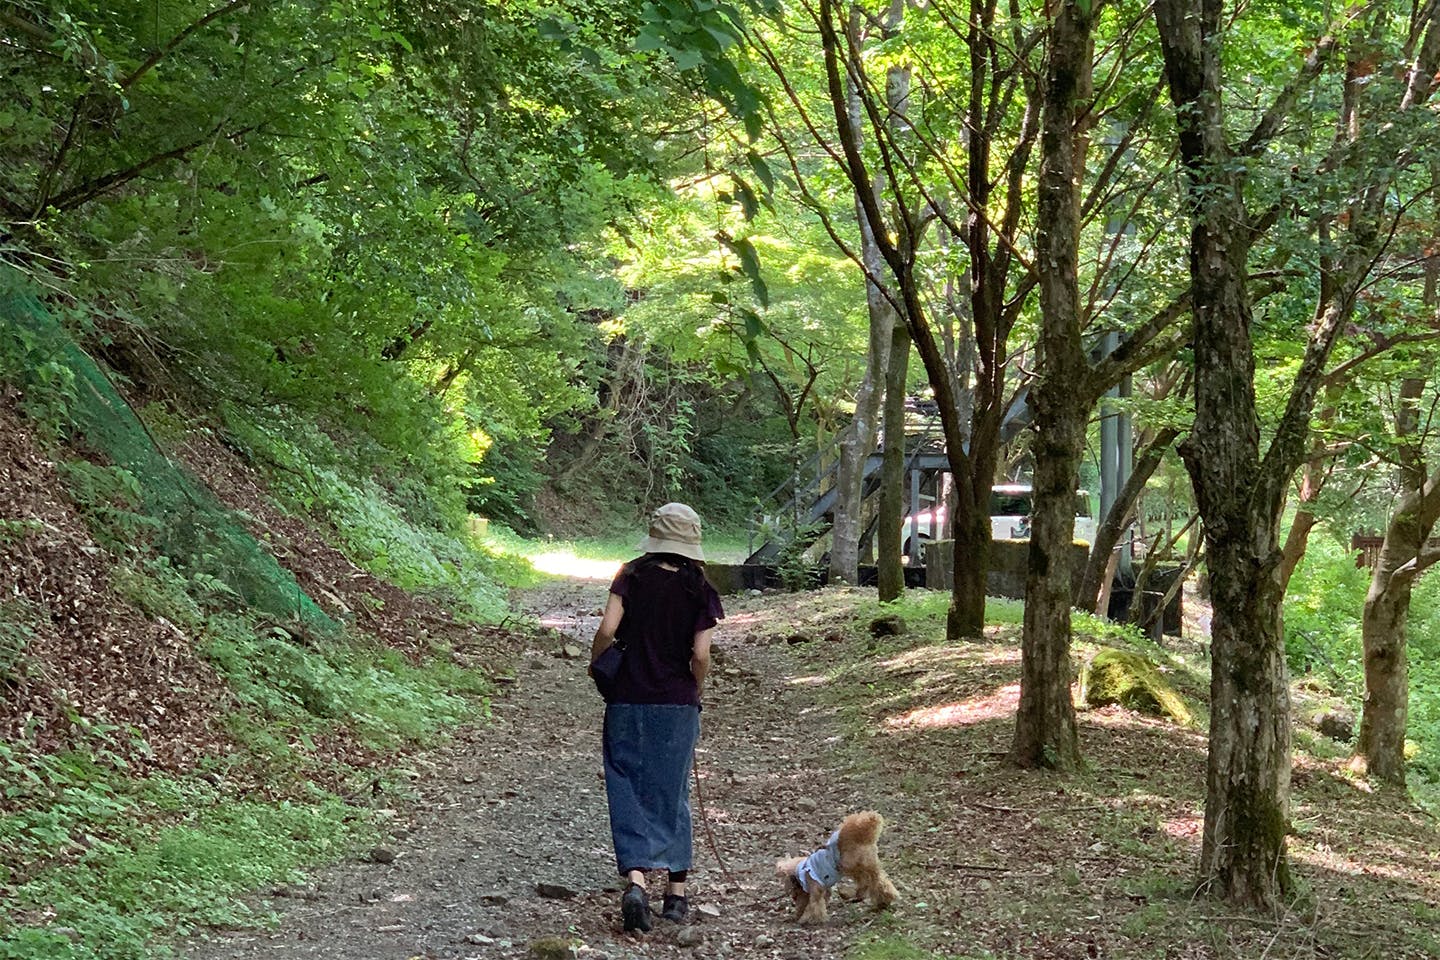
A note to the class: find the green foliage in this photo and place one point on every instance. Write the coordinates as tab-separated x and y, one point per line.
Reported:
1322	616
795	564
1322	638
33	363
148	858
112	501
379	695
409	533
505	493
891	947
117	862
1424	654
1107	631
401	239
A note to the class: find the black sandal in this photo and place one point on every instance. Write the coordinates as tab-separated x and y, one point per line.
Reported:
676	908
635	908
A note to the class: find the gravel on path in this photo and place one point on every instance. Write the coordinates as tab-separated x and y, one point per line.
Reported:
505	852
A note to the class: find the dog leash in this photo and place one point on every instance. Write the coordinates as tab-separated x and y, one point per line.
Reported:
704	816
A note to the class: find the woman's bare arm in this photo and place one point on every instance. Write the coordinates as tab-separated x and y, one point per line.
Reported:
700	656
609	623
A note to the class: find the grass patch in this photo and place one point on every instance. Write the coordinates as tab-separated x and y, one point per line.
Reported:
379	695
152	858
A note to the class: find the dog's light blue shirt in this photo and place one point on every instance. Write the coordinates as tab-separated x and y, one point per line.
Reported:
821	867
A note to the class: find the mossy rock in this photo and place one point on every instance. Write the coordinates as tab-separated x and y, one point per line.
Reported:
1132	681
554	948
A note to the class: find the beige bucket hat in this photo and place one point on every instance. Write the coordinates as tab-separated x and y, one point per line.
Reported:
674	528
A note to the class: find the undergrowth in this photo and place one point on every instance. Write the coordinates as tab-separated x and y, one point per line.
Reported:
1322	642
98	862
400	530
896	948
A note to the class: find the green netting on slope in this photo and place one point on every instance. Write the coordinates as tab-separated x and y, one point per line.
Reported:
196	532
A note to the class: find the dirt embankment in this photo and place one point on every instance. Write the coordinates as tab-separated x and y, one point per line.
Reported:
83	653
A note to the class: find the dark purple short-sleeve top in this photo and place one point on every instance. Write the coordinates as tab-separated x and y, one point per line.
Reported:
664	609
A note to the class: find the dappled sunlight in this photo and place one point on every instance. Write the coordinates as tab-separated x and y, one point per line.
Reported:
745	618
949	655
1318	850
811	680
564	563
1188	828
998	705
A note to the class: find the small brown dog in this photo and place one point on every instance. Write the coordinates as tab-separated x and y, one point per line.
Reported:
851	853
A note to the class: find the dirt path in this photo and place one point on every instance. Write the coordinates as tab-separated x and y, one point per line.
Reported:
518	802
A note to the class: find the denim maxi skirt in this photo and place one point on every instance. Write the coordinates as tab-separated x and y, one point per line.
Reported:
648	750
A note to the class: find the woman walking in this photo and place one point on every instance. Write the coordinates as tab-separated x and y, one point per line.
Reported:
662	610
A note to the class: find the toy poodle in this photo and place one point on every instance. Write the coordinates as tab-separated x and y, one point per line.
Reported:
850	852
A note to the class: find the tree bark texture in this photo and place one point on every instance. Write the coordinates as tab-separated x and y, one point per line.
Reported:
1045	729
1247	786
892	472
1381	744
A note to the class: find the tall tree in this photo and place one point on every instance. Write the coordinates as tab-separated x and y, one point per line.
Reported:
1240	489
1404	555
1045	732
1069	387
858	440
979	199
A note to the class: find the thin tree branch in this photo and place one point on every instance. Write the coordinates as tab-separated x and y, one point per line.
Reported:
179	38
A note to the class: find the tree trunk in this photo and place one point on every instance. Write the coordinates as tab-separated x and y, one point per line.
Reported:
1381	746
892	472
1383	623
1247	804
1045	731
860	439
992	318
1101	560
970	533
1243	858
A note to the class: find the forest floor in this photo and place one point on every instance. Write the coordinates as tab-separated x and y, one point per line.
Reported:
809	717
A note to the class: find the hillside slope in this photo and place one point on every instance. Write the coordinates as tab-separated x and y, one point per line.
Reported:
146	703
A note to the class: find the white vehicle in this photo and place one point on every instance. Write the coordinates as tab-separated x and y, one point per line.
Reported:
1010	508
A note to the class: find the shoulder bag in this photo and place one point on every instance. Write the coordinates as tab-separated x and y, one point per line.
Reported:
605	671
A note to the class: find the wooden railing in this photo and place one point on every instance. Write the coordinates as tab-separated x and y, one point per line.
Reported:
1367	547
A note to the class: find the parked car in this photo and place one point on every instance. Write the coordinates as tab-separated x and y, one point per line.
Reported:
1010	507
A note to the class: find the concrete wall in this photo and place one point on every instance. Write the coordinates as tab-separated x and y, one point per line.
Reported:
729	578
1009	562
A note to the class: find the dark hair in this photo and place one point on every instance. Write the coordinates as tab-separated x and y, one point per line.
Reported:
692	572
